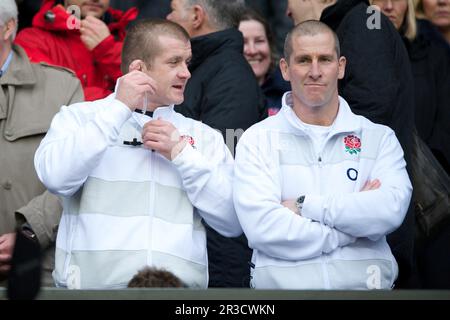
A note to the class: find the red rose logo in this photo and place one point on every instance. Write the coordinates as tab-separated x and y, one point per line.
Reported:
352	144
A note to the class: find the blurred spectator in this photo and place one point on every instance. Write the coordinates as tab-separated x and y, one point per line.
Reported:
150	277
259	50
30	95
274	11
224	94
438	12
90	47
382	94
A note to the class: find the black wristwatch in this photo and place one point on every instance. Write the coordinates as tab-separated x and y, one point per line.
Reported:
26	230
299	204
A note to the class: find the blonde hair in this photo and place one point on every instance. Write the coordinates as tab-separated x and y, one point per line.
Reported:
409	25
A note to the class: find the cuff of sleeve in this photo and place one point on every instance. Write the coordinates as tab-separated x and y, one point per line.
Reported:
313	208
38	228
103	47
119	110
187	155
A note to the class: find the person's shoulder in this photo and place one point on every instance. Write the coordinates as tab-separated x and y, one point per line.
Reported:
367	20
260	130
369	125
51	68
59	78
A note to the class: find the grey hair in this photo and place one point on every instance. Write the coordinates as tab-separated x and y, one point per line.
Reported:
222	14
8	11
309	28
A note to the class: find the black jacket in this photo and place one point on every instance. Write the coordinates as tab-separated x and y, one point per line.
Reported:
378	84
224	94
430	62
223	91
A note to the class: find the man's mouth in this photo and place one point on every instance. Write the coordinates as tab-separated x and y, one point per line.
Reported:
178	86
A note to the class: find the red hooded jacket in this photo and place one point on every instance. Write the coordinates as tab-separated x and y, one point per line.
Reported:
51	40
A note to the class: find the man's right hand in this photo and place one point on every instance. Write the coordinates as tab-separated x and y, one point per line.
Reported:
7	242
132	88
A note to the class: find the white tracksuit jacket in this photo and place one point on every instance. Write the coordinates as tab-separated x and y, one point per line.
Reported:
339	240
125	206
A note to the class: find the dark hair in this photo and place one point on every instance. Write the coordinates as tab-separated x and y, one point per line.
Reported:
150	277
248	15
142	40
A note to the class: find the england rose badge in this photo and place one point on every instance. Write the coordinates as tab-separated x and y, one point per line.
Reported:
352	144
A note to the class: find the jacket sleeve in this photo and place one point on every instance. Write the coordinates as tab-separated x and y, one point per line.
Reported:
107	55
374	213
269	226
43	214
75	144
207	179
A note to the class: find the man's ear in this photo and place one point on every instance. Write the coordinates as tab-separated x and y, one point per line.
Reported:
284	67
138	65
342	64
199	16
9	28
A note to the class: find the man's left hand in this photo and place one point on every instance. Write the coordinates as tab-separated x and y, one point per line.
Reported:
291	205
93	31
162	136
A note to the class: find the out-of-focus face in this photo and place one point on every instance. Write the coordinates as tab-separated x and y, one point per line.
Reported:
180	14
438	12
96	8
302	10
170	69
256	48
395	10
313	70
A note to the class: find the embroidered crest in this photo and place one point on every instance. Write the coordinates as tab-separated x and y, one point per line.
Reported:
189	139
352	144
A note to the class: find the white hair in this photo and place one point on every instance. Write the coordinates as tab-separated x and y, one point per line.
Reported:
8	11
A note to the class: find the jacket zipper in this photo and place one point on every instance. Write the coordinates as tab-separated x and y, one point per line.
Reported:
153	163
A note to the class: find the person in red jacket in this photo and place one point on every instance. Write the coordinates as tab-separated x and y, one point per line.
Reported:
83	35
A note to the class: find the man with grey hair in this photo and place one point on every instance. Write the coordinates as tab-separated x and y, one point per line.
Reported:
223	93
317	188
30	95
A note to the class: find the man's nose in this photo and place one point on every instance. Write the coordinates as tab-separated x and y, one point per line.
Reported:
315	72
184	72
